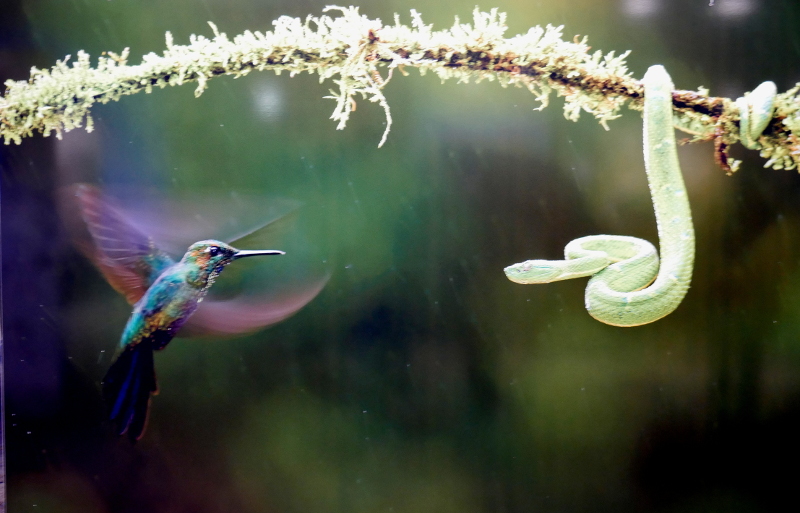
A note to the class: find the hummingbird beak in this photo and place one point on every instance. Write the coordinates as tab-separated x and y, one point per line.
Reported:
248	253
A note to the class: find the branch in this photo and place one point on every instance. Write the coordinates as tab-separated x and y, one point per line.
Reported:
352	50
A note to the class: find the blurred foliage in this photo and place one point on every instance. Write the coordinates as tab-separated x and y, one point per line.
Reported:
420	379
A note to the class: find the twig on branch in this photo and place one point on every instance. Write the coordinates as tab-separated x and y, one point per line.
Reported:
350	49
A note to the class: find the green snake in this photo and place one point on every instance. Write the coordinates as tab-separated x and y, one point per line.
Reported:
755	113
628	286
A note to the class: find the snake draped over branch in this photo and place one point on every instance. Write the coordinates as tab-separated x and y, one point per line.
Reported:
629	287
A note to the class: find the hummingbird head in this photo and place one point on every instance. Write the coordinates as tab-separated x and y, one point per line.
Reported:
211	256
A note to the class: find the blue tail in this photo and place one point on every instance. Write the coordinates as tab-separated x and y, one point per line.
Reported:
127	388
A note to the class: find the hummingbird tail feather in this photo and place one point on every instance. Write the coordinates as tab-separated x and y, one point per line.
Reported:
127	388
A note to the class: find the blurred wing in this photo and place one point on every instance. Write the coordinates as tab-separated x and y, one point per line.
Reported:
177	221
128	259
246	313
266	234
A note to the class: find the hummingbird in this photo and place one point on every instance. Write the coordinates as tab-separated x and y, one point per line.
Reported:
171	298
165	294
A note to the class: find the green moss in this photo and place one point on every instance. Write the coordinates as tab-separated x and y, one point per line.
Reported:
351	50
360	56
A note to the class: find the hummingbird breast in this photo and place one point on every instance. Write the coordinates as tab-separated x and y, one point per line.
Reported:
165	307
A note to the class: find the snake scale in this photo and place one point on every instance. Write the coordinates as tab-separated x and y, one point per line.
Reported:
629	287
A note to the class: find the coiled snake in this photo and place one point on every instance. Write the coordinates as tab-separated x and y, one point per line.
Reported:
628	286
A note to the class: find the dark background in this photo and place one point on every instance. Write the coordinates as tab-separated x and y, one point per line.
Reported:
420	379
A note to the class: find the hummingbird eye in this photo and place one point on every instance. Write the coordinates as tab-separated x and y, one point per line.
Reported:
213	251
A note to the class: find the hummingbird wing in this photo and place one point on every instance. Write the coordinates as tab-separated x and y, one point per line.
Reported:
178	220
248	313
127	258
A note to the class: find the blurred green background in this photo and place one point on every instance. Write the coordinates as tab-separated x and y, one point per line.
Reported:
420	379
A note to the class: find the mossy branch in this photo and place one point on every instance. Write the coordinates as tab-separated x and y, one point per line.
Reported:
361	55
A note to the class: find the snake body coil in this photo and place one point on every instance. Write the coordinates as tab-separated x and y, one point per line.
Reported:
755	113
628	287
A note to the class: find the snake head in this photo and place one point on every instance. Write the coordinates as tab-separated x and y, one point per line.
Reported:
534	271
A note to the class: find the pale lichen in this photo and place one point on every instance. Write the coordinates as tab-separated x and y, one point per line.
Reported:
781	148
352	51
